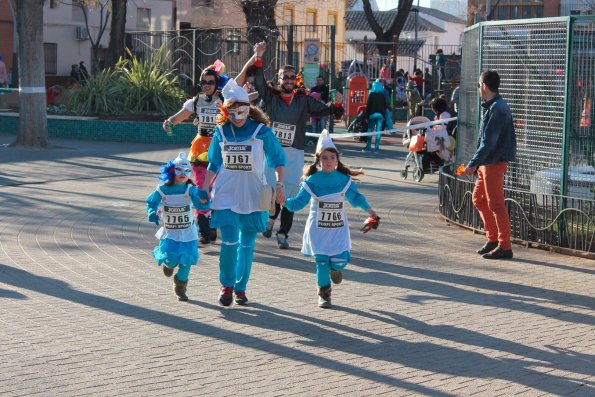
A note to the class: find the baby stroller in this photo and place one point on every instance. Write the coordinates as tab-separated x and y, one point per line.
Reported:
359	124
424	155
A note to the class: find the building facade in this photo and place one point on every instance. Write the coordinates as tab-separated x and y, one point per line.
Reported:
66	38
457	8
209	14
494	10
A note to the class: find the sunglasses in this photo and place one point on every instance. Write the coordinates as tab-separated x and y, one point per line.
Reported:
208	82
479	85
286	78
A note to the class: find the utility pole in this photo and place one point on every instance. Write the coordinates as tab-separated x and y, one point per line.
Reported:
15	62
416	10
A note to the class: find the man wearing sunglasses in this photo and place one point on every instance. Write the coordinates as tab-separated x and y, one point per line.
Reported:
204	108
289	111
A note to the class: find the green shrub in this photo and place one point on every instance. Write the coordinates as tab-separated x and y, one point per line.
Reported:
132	88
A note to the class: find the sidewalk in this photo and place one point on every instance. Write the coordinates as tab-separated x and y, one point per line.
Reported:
84	310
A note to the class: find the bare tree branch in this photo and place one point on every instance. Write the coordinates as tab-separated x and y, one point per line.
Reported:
395	28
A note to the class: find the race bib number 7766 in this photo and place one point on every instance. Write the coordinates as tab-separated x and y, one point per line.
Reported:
330	214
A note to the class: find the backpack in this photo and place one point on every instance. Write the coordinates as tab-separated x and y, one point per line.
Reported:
218	93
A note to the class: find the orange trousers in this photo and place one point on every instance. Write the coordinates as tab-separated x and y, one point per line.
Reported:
488	198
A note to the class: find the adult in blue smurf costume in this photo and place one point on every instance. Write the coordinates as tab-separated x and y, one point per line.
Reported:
240	145
172	203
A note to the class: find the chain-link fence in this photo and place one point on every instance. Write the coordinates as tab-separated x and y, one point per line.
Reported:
547	77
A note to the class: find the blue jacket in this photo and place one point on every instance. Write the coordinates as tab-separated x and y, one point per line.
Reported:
496	142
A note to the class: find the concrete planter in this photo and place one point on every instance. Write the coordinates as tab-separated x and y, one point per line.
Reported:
94	129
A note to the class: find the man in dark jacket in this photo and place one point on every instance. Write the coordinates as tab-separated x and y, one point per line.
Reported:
496	147
288	110
321	88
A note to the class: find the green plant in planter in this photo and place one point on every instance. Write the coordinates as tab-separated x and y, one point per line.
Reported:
132	88
102	94
152	85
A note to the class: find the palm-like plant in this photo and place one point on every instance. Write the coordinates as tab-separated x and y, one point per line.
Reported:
132	87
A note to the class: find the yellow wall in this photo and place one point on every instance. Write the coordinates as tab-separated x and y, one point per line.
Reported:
321	13
321	9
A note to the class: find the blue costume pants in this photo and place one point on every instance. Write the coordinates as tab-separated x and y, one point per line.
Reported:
183	271
375	124
235	260
324	265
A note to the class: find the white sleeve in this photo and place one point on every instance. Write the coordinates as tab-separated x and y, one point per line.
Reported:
189	105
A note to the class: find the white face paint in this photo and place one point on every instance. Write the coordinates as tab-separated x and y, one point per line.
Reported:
239	113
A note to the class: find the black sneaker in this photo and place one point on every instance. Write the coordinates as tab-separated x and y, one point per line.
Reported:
226	296
213	235
487	247
498	253
241	298
204	240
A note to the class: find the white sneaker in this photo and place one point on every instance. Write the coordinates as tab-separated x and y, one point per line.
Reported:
282	241
324	303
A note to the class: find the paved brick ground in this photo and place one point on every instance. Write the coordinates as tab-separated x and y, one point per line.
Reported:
84	311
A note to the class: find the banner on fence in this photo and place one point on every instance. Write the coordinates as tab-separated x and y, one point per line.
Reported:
312	51
311	71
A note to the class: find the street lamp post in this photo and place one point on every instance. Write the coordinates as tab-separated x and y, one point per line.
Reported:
416	11
15	64
365	55
394	74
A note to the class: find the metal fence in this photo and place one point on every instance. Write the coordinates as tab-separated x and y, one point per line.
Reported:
409	54
547	77
194	49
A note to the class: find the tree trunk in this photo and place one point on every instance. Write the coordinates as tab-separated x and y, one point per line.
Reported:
260	18
33	130
396	26
117	32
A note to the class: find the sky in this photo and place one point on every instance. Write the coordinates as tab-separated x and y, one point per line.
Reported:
389	4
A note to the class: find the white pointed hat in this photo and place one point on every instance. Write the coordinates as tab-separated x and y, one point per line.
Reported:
324	142
232	92
181	161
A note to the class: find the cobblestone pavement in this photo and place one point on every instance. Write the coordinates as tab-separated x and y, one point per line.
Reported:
85	311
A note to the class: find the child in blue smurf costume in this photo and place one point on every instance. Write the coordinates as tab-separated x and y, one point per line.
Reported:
242	142
326	235
172	203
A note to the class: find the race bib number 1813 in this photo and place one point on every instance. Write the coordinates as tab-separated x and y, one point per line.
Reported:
285	133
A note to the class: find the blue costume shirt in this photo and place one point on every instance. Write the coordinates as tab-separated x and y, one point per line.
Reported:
322	183
154	199
274	154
